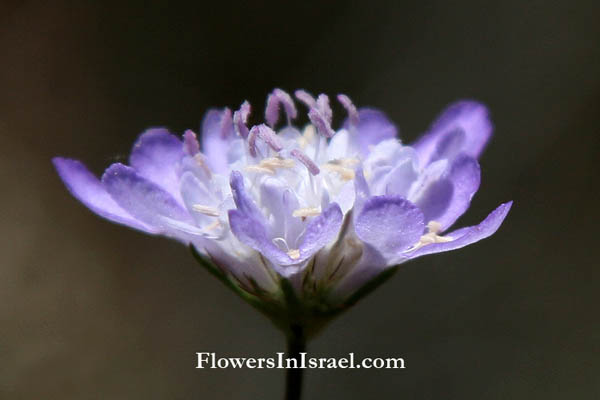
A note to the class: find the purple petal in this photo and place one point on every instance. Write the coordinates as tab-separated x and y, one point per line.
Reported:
361	188
391	224
87	188
253	233
321	231
141	198
465	176
242	199
446	197
215	144
466	236
464	127
280	201
372	128
156	156
371	263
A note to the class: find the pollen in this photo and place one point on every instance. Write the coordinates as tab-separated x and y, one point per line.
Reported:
433	228
307	212
206	210
270	165
294	254
277	162
345	173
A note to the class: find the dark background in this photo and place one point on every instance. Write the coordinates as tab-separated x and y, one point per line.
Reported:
90	310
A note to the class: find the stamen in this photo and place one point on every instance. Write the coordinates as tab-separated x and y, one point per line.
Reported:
345	162
305	98
266	134
190	143
304	159
306	212
226	123
272	111
294	254
201	161
259	169
206	210
269	165
320	122
433	227
212	226
240	118
350	108
277	162
345	173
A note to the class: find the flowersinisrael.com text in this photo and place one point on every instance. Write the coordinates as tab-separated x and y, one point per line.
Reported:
211	360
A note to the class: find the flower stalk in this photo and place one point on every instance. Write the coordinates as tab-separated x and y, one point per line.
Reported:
296	344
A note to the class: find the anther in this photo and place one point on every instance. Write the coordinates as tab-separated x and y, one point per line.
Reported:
266	134
272	111
304	159
350	108
345	173
294	254
433	228
306	212
206	210
240	118
269	165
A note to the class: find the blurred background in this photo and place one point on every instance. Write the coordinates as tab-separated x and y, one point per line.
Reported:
91	310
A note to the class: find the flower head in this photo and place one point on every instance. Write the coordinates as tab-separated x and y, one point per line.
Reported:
314	213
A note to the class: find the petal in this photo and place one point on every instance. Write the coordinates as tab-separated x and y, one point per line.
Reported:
143	199
370	264
466	236
242	199
253	233
391	224
280	201
193	193
464	127
465	176
87	188
321	231
156	156
373	127
447	197
215	140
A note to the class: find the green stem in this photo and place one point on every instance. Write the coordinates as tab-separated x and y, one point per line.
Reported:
296	343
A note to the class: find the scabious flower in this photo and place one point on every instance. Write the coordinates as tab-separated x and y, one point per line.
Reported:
299	221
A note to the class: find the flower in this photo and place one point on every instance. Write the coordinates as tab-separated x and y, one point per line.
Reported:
300	222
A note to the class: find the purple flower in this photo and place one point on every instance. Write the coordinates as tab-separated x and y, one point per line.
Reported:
326	211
